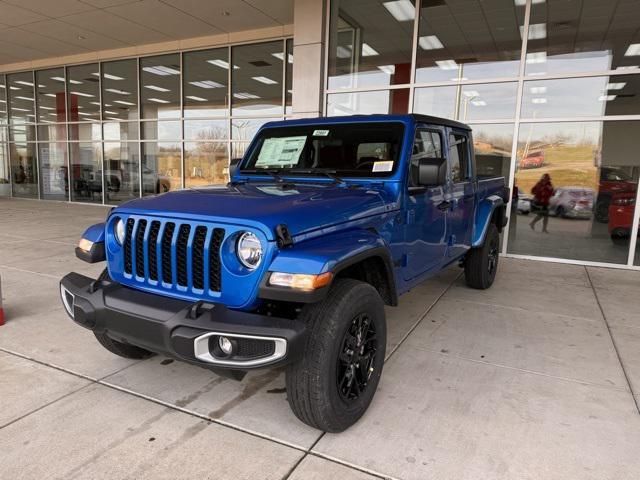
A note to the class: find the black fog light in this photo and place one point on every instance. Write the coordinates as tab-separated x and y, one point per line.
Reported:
222	347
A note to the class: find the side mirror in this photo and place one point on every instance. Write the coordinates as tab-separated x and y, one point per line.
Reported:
432	172
233	166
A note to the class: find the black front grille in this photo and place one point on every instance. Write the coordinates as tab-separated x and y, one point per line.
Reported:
176	242
253	348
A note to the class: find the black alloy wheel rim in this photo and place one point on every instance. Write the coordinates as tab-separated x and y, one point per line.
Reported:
356	358
493	257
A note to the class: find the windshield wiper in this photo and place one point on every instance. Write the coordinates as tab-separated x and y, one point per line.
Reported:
273	172
326	172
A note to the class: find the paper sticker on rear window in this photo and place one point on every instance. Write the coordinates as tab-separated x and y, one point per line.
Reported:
320	133
385	166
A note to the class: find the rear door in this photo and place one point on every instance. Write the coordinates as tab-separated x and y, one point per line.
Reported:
460	192
425	232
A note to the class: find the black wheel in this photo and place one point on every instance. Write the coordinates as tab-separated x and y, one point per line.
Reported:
560	212
481	263
121	349
620	236
601	211
333	383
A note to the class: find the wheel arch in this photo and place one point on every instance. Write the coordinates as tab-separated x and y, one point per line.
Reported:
491	210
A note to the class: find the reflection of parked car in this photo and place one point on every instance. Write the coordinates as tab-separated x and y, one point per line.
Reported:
524	203
533	160
572	202
621	216
612	181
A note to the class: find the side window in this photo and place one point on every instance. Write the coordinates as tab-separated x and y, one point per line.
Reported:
427	144
459	157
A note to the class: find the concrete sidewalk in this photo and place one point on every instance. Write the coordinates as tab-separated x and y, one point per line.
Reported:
534	378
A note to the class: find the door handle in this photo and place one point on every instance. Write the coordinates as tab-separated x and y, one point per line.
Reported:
444	206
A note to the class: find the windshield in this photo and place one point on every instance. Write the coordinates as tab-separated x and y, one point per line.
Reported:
346	149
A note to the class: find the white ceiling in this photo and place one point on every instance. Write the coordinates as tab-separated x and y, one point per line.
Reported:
35	29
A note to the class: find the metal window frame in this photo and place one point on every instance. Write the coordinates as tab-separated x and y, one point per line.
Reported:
517	121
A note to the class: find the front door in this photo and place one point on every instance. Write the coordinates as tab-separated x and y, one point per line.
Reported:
425	233
461	193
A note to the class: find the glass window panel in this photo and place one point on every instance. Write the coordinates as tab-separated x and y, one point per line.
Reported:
120	90
206	129
566	36
86	172
5	177
371	43
21	97
581	97
593	169
206	80
492	146
206	163
468	40
24	170
51	100
257	79
382	101
166	130
54	132
161	169
121	176
22	133
238	149
160	80
54	180
288	82
83	93
3	101
120	131
85	132
246	128
490	101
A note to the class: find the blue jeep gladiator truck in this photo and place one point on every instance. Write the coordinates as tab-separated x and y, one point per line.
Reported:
323	223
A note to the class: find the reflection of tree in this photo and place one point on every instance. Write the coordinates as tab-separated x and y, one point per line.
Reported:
208	160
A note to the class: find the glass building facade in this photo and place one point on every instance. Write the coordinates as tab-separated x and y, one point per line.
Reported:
548	86
111	131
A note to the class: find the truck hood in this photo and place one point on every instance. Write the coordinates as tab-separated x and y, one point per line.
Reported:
303	207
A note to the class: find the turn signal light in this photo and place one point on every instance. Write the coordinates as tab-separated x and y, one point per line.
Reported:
300	281
85	244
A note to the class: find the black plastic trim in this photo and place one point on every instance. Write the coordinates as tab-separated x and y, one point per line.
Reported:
95	255
166	325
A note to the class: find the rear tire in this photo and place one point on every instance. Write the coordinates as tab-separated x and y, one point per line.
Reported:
481	263
333	383
121	349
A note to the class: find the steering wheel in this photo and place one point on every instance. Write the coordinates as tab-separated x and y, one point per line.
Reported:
364	164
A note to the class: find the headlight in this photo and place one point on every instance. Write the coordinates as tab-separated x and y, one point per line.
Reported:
118	230
249	250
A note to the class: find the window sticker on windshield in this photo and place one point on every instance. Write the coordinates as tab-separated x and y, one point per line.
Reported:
320	133
385	166
280	151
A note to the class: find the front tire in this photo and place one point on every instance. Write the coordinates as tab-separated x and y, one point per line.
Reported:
333	383
481	263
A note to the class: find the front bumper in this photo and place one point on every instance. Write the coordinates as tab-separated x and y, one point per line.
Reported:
179	328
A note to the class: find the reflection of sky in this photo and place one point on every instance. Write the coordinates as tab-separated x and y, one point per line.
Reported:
570	133
576	97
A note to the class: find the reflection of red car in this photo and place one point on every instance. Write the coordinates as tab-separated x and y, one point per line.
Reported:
621	216
612	181
533	160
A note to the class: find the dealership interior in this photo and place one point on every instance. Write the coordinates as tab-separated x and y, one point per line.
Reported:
549	87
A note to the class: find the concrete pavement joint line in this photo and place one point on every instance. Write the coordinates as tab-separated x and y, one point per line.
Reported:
523	370
352	466
422	317
522	309
44	406
295	465
203	416
46	364
613	342
9	267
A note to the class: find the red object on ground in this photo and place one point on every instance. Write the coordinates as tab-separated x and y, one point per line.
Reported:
533	160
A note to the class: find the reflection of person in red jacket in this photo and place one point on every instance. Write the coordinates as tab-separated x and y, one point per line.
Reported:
542	193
